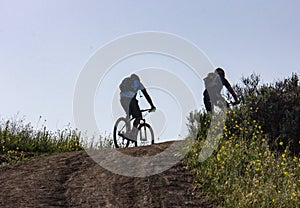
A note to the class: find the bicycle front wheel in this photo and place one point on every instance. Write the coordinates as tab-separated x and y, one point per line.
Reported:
119	132
145	135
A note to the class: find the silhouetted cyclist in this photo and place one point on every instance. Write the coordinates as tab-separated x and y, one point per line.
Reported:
214	83
129	88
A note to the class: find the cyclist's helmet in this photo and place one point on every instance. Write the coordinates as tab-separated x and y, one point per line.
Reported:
135	77
220	71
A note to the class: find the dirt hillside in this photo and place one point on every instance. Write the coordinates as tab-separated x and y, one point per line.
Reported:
75	180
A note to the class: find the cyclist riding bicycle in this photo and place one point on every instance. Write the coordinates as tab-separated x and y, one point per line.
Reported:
214	83
129	88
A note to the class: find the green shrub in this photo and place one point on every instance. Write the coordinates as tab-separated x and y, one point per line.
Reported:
245	170
277	108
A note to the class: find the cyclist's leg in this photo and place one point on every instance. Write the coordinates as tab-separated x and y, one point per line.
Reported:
207	102
125	103
135	112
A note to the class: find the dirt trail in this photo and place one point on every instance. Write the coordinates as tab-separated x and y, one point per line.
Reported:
75	180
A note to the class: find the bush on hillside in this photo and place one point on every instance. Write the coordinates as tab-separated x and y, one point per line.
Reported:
274	107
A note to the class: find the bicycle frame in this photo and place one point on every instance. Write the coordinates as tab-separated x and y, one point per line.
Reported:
143	120
143	127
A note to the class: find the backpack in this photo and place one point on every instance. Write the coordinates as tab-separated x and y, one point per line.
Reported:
126	84
213	83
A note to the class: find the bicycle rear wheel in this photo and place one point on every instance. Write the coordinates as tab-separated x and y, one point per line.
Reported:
119	132
145	135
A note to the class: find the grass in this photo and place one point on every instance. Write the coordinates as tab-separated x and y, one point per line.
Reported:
244	171
20	141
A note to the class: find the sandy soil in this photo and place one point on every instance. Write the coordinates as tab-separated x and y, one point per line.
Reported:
75	180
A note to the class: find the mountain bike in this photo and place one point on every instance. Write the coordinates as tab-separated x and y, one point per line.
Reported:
222	103
123	125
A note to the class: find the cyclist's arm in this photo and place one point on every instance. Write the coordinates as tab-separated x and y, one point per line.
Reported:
229	88
148	98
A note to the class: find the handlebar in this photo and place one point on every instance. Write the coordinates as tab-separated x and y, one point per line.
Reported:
149	110
234	103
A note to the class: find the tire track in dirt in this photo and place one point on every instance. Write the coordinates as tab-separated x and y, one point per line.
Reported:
75	180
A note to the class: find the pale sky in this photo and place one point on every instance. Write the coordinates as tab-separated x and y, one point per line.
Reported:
44	44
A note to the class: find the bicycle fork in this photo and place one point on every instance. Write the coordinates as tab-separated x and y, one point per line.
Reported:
142	130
